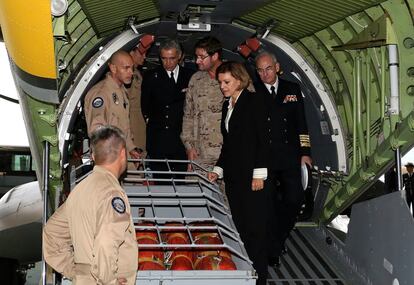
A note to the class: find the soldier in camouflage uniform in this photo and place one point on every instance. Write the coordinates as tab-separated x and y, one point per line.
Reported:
202	110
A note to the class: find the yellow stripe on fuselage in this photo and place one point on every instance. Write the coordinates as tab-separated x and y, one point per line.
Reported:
27	32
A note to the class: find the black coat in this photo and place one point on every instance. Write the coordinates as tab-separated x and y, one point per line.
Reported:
162	104
287	124
246	145
409	186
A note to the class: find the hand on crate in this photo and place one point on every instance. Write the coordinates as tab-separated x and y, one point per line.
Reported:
191	155
212	176
136	154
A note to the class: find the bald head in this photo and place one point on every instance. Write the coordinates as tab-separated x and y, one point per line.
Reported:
121	67
118	56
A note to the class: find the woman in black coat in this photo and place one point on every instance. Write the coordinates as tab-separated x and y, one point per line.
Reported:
243	161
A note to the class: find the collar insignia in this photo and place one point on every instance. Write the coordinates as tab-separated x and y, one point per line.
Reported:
115	98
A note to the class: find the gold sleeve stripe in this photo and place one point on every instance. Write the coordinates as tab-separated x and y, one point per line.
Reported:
304	140
305	144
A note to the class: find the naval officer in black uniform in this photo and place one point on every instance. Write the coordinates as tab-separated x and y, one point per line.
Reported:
408	180
162	100
290	148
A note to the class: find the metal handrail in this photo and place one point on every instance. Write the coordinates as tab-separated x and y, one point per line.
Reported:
45	180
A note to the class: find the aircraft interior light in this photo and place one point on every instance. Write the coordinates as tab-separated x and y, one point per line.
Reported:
59	7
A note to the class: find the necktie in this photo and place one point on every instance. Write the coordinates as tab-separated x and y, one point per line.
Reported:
172	76
273	93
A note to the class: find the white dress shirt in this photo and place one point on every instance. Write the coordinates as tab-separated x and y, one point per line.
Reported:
175	71
269	86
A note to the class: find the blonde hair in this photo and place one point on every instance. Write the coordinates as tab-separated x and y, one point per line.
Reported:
237	70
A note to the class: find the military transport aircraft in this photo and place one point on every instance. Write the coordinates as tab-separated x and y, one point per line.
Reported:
354	60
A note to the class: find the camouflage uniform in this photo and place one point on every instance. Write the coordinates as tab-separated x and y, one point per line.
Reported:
202	117
135	115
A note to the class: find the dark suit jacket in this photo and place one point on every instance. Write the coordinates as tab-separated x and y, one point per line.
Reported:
409	186
288	128
246	145
162	107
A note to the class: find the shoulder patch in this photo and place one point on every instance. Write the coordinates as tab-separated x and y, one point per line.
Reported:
97	102
118	204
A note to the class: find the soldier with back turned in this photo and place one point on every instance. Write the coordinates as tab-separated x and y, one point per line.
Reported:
91	238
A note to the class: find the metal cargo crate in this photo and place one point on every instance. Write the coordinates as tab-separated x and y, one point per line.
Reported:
188	203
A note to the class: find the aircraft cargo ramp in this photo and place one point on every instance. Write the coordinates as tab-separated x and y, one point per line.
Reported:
303	264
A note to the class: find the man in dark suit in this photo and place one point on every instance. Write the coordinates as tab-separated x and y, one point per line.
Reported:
290	148
408	180
162	100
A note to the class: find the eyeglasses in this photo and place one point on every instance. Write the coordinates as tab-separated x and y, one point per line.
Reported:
201	57
267	69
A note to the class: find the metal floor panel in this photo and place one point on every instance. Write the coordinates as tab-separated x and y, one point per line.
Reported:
302	265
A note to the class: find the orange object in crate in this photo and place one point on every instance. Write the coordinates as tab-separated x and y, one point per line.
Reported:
211	259
176	233
179	259
149	259
206	236
214	260
146	233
